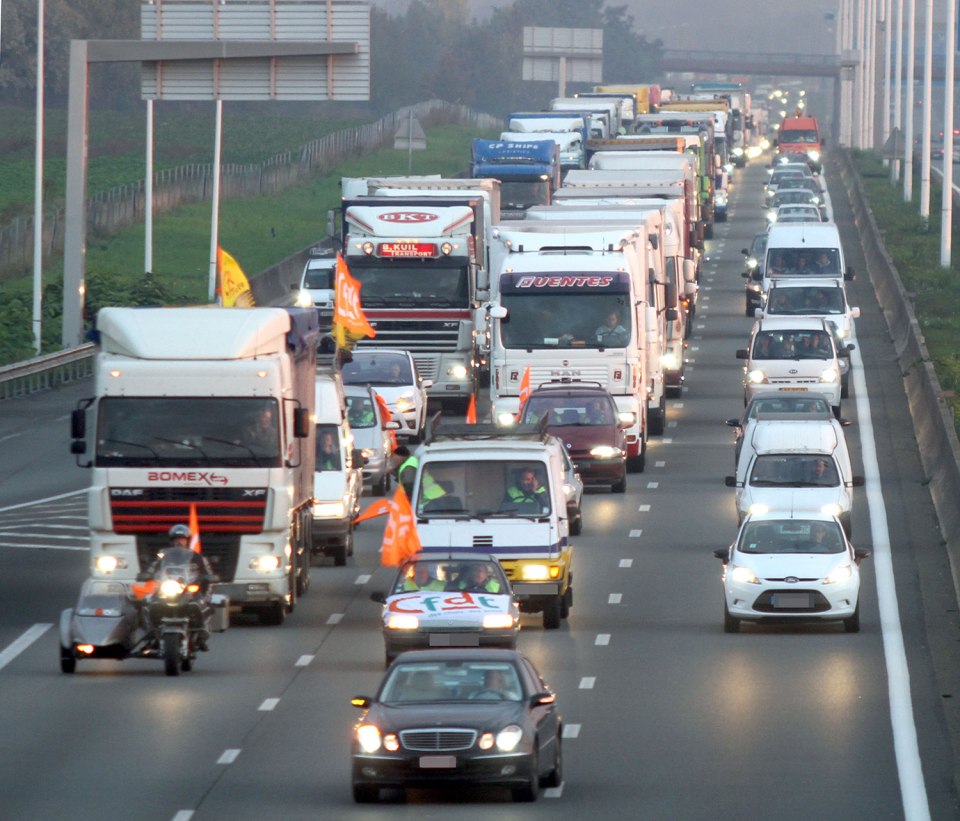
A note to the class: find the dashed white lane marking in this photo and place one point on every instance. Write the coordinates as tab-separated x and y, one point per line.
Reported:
335	618
553	792
183	815
659	464
699	326
614	598
653	485
626	563
602	640
672	424
636	534
679	404
28	637
706	298
303	661
268	704
228	757
708	288
571	731
644	508
587	682
363	578
666	440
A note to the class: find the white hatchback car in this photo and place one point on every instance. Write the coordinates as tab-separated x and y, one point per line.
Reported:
316	288
392	374
785	568
793	355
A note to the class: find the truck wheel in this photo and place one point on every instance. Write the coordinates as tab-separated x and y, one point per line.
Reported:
657	418
551	614
576	523
171	654
566	603
340	551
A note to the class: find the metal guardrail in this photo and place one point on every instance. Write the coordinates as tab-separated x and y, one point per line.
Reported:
48	371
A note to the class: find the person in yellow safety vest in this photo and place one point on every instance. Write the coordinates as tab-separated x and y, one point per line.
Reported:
526	495
477	579
430	488
407	471
421	578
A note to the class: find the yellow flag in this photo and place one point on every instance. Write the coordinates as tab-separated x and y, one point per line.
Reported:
233	286
348	316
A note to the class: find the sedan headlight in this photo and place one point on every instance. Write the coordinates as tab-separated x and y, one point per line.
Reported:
606	452
744	575
508	738
839	574
402	621
756	377
670	361
457	371
329	510
406	402
368	737
497	621
830	376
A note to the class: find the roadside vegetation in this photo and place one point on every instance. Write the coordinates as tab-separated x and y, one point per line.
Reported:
257	231
915	251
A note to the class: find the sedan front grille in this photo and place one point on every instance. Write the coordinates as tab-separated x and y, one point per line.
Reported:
437	740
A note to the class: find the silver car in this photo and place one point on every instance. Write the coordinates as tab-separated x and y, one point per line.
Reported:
372	436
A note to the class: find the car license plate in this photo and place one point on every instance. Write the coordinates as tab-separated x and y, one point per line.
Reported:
438	762
796	390
454	639
536	588
791	601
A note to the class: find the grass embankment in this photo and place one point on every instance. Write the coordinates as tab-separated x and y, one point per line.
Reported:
257	231
915	251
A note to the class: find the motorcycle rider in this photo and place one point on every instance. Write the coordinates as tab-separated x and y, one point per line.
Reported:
179	554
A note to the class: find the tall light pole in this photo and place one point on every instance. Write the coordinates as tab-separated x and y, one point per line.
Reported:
898	91
946	201
38	194
908	104
927	116
887	45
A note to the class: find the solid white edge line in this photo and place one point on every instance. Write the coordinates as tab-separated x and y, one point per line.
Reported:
18	645
906	747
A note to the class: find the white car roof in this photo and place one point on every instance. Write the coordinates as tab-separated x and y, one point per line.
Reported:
789	323
794	436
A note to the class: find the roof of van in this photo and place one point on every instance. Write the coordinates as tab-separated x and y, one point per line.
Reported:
798	234
799	122
783	436
806	282
791	323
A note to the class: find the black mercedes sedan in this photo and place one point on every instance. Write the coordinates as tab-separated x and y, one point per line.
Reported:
458	717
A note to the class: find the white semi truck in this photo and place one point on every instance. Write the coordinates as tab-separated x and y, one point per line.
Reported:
207	409
555	287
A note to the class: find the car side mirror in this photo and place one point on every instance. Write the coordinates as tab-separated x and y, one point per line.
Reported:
850	347
743	353
379	597
544	699
78	424
672	314
844	422
745	251
849	275
301	422
78	447
361	702
861	553
758	313
722	553
733	423
746	274
730	481
855	313
857	481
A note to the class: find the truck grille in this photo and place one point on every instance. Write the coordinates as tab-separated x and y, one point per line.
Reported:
219	510
436	740
428	336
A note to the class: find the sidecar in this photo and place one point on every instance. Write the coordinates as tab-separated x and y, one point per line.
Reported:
106	623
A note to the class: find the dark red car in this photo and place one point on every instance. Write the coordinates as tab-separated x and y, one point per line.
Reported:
585	418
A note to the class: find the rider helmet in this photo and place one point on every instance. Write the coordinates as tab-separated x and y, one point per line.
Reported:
179	532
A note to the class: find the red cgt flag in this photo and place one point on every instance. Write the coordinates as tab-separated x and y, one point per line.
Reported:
194	529
400	539
348	313
524	389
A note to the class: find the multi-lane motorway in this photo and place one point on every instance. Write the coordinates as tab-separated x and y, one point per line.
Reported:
666	716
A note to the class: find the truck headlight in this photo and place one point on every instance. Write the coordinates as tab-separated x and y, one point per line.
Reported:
756	377
829	376
108	564
458	371
814	155
535	572
506	419
267	563
329	510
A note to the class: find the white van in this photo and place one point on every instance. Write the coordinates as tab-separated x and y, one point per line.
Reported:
792	463
316	288
804	250
338	480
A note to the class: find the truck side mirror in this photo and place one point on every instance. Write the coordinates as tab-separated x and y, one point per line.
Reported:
301	423
78	424
78	447
672	314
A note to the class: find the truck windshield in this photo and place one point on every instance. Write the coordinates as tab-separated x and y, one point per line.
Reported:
572	319
519	196
483	489
800	135
187	432
412	283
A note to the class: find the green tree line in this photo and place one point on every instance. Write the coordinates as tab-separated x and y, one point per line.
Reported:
434	50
